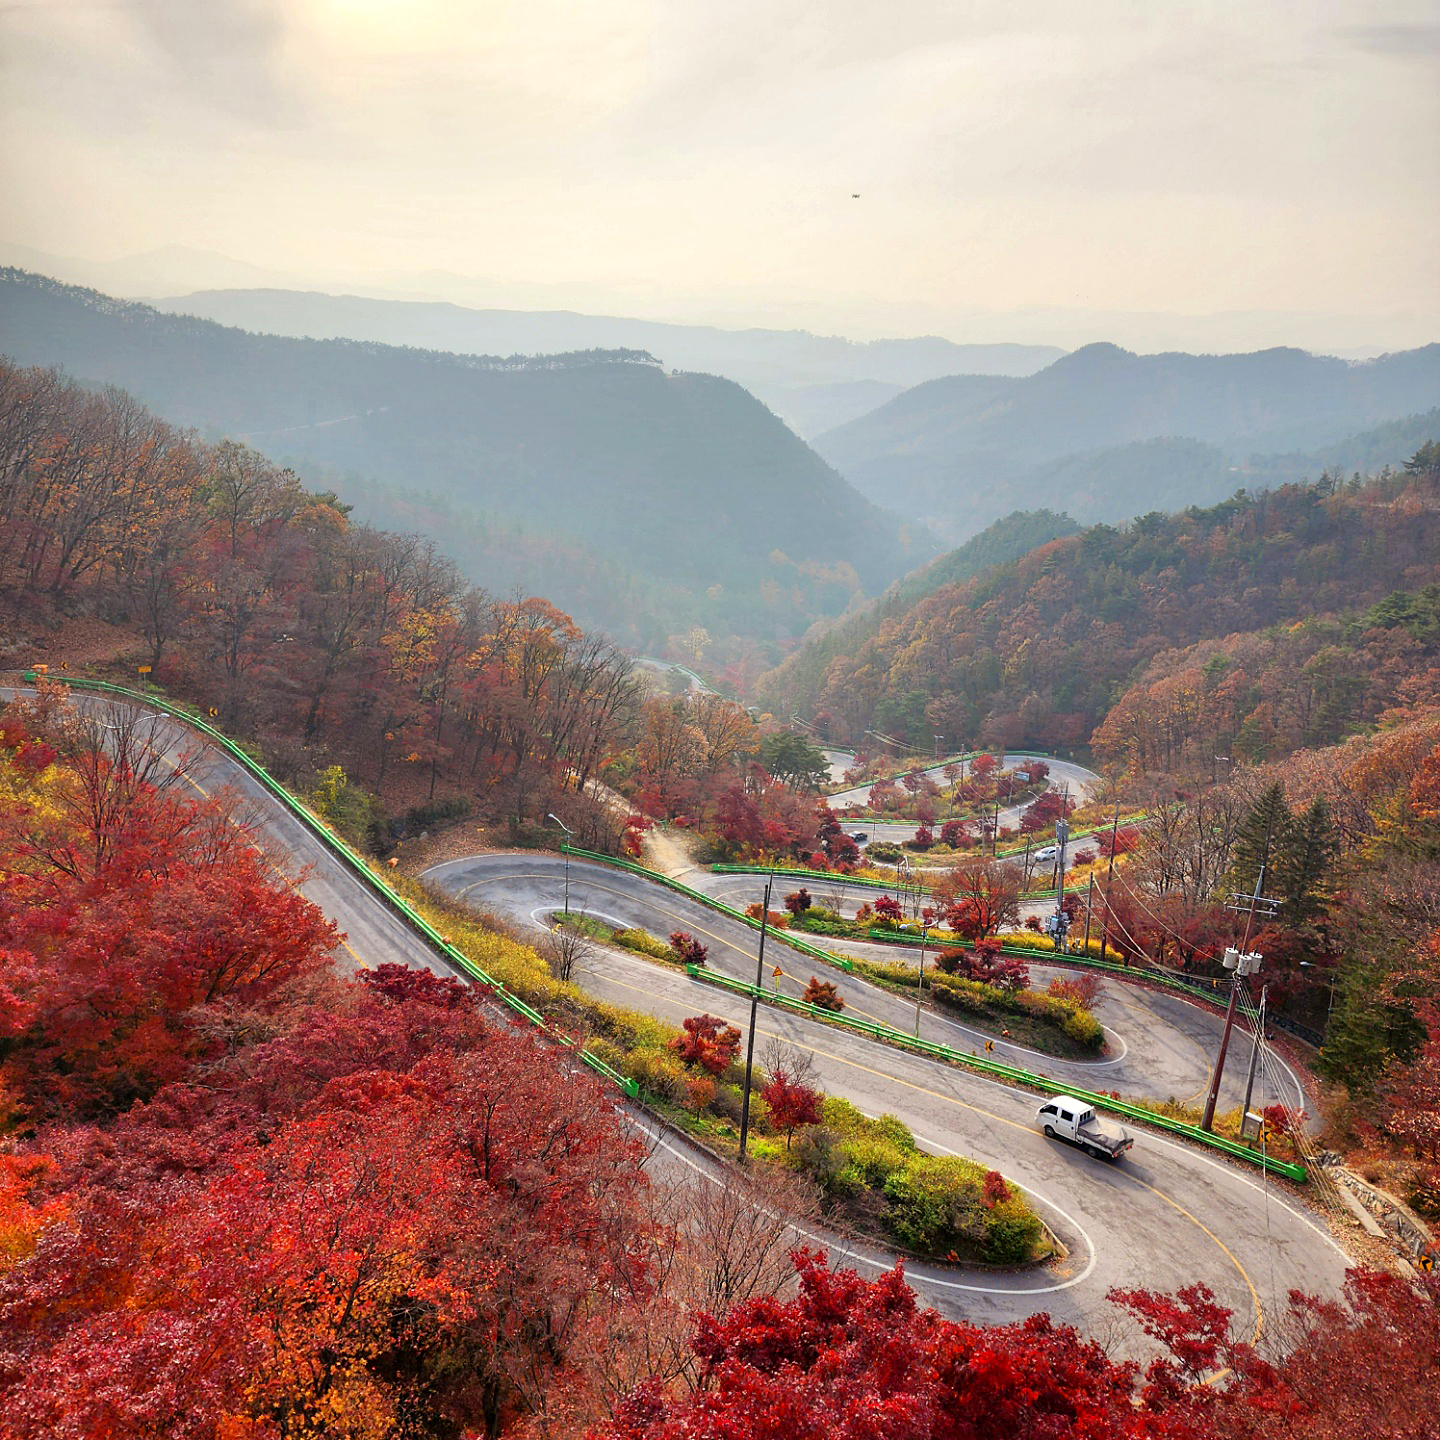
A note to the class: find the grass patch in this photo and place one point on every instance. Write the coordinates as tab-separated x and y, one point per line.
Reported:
1026	1017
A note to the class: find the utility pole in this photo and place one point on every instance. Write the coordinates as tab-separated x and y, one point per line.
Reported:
1254	1058
1109	878
1062	838
929	916
1089	901
754	1007
1242	962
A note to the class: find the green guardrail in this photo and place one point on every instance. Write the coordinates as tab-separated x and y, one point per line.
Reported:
785	937
455	958
631	1088
890	937
1032	1079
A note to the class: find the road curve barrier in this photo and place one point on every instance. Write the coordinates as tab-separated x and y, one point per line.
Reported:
1029	1078
398	904
876	1030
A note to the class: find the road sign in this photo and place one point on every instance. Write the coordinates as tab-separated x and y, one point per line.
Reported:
989	1045
142	669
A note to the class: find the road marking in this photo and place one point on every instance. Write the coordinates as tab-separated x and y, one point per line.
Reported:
1016	1125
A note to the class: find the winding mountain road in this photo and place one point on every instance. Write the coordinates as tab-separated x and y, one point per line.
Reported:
1165	1216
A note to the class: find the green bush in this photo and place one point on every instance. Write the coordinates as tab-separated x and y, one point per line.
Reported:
1083	1028
659	1073
869	1162
937	1205
644	943
883	851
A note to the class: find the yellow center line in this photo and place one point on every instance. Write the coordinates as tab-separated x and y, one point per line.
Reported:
1016	1125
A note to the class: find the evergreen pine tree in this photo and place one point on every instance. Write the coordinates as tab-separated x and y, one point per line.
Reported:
1262	833
1301	863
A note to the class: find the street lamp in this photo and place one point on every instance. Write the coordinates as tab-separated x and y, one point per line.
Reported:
565	850
1330	980
938	739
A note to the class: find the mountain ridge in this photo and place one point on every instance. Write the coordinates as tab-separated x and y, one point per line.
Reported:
603	451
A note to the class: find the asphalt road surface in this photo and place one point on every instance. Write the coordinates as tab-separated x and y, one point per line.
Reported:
1164	1216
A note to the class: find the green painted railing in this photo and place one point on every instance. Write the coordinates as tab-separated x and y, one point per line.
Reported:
397	903
1029	1078
466	966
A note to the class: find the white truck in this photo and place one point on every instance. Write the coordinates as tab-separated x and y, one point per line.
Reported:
1064	1118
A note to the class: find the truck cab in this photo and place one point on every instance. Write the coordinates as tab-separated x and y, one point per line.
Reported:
1065	1118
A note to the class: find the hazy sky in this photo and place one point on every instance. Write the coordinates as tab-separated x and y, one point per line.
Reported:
697	159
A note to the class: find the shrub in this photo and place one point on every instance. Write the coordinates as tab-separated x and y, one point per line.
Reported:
687	948
883	851
659	1073
1080	990
708	1042
644	943
940	1204
823	994
924	838
700	1092
1083	1028
798	901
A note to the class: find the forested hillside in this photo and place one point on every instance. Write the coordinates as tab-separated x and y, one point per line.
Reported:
1104	434
265	604
1307	606
660	501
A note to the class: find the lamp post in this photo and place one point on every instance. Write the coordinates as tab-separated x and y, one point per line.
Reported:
1330	981
938	739
565	850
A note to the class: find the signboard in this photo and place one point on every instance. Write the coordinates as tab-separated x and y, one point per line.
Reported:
142	669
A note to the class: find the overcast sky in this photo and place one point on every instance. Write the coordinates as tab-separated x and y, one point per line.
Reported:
1022	170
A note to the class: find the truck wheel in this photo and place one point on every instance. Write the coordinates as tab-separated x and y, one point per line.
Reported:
1096	1152
1049	1132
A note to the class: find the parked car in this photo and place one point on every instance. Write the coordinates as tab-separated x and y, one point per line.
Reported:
1065	1118
860	836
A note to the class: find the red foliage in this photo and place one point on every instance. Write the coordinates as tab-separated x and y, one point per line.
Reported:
986	964
130	916
1081	990
953	834
855	1360
889	910
707	1042
688	948
823	994
791	1104
798	901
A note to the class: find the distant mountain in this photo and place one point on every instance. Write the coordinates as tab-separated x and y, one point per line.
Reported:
812	382
1105	434
656	501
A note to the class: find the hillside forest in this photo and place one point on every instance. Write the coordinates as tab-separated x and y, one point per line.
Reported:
245	1194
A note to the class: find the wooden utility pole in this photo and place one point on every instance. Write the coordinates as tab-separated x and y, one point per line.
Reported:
1242	962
